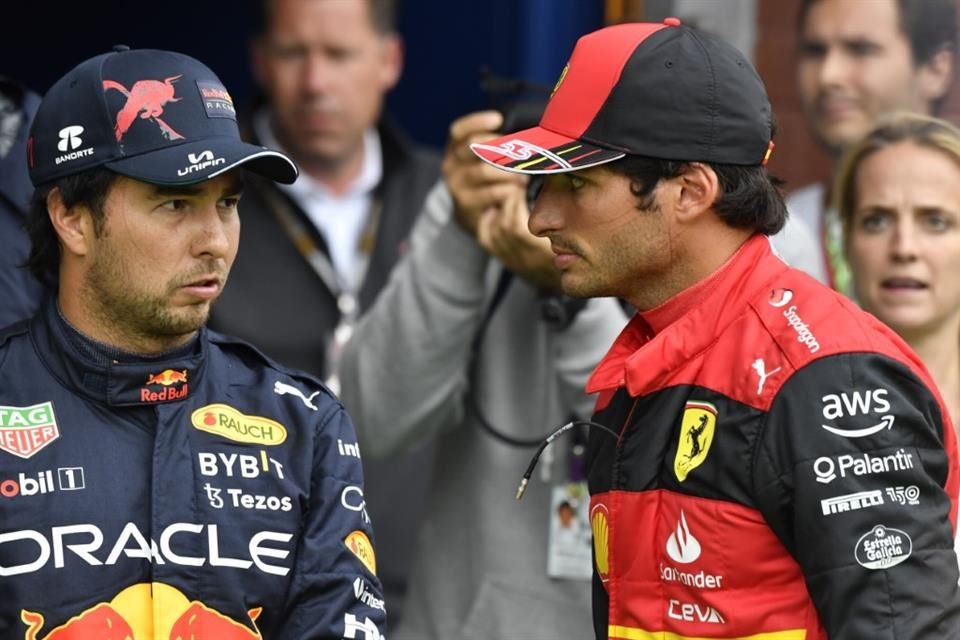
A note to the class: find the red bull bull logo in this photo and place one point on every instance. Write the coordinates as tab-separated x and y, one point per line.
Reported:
145	99
101	622
199	622
147	611
167	379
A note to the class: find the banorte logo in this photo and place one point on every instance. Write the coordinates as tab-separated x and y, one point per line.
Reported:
173	386
143	612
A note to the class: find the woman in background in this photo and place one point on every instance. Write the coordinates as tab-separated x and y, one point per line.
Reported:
898	195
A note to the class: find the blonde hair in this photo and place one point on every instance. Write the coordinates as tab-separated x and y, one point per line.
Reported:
923	131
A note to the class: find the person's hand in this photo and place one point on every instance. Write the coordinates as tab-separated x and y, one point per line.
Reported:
491	204
502	232
475	185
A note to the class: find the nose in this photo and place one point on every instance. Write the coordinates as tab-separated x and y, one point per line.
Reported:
904	242
316	73
546	216
213	232
834	67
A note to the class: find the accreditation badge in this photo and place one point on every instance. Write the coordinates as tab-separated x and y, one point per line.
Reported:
569	542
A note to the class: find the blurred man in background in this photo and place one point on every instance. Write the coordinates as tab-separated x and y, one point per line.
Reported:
315	254
858	61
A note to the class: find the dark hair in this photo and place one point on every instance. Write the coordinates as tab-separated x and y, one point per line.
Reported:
383	15
930	26
89	189
750	197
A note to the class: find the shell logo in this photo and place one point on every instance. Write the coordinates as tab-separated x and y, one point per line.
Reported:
601	548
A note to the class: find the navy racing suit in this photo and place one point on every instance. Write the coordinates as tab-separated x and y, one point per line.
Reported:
210	494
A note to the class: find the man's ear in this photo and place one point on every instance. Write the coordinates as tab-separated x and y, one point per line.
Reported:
699	189
74	225
935	76
391	66
257	49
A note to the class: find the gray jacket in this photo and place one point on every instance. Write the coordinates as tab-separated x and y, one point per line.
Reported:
480	560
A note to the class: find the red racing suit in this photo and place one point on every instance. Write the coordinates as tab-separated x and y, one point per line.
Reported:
784	470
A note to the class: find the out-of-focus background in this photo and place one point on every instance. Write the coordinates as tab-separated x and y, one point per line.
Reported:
448	47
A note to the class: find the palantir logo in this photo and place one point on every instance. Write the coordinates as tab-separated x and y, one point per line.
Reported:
70	138
682	546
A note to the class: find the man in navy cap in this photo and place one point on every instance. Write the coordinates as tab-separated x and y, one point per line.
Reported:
158	479
753	427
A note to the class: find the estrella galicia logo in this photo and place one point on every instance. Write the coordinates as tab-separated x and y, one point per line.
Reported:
883	547
697	427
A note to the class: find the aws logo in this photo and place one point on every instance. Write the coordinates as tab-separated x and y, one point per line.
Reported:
697	428
856	403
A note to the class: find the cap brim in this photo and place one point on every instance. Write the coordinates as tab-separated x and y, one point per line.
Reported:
538	151
193	162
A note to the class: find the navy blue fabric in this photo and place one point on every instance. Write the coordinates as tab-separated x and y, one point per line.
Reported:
133	490
20	293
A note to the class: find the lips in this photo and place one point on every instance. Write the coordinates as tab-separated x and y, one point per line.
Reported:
205	281
903	283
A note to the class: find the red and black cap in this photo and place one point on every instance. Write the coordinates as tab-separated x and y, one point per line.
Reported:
156	116
657	90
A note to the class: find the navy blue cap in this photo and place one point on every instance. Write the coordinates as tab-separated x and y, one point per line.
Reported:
156	116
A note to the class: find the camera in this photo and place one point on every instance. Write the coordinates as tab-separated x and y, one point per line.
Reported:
522	114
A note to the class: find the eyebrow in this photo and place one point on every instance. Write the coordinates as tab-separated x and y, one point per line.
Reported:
233	187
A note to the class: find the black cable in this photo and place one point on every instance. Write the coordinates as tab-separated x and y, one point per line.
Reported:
550	438
473	406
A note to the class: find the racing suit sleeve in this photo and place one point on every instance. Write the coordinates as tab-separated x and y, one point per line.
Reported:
853	474
335	592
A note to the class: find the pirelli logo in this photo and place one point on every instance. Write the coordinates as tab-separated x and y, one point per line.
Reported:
851	502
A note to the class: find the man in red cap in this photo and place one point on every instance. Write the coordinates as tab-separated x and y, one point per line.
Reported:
754	426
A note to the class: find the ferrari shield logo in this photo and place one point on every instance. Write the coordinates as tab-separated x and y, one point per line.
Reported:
696	435
563	74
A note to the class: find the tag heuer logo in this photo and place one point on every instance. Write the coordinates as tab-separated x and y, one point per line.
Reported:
696	435
26	430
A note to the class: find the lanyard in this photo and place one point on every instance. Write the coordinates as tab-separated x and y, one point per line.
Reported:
319	261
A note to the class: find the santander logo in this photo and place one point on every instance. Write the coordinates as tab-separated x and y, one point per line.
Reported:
682	546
